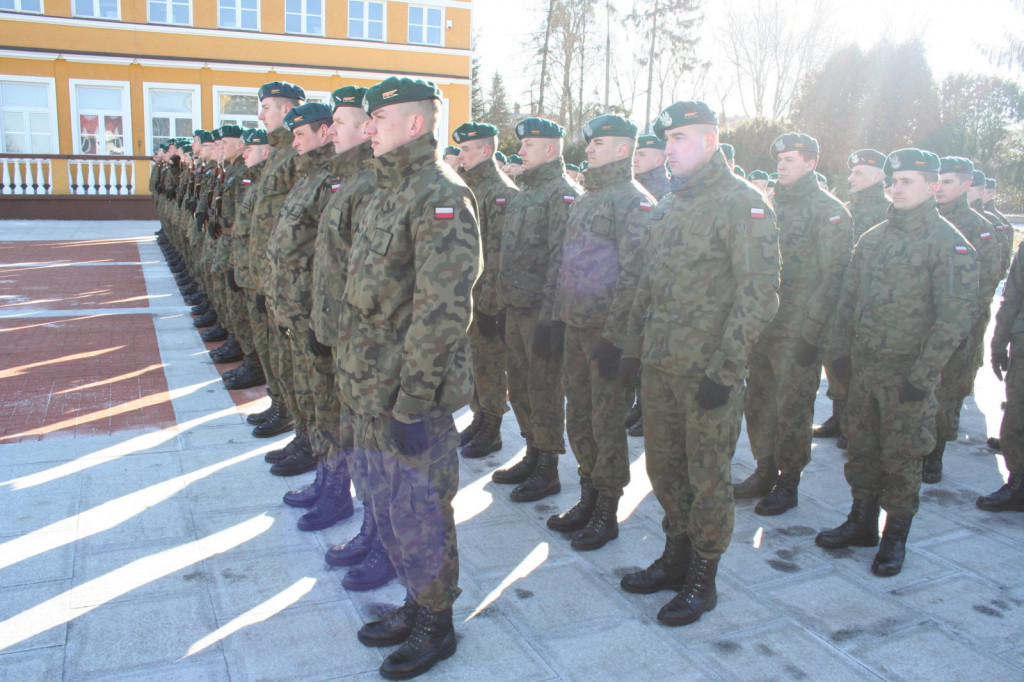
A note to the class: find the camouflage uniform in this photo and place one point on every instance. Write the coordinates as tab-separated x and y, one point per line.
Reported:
656	181
241	233
237	308
599	266
403	351
493	191
868	207
815	239
1005	232
220	247
707	290
906	304
534	231
1000	225
1009	331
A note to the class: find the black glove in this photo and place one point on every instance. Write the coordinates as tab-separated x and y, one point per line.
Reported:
488	325
410	439
200	219
315	347
711	394
212	229
232	282
629	372
261	303
910	393
842	368
805	354
501	325
1000	363
608	357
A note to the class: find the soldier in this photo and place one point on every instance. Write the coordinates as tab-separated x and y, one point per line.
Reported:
595	281
1008	357
815	232
574	173
976	198
708	288
415	257
759	179
514	168
451	157
905	306
533	234
493	191
730	154
1006	234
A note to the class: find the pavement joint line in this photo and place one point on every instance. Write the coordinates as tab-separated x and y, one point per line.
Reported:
58	264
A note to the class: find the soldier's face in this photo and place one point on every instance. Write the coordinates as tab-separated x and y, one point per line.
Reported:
645	160
452	161
974	193
792	166
348	128
688	148
254	153
951	188
272	111
603	150
310	137
536	151
232	147
390	127
988	194
474	153
910	189
862	177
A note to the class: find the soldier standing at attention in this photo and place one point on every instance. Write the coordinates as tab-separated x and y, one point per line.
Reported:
815	232
493	191
976	198
532	237
759	179
451	157
906	304
708	288
408	304
989	197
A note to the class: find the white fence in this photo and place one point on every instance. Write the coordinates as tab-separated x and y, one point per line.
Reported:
101	176
85	175
26	176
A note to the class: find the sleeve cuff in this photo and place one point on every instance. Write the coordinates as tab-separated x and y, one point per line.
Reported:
409	409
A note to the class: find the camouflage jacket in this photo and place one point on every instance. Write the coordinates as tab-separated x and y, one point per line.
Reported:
277	179
868	207
656	181
710	277
908	294
224	245
1010	318
404	347
599	262
1000	227
1006	234
355	184
979	232
494	192
207	180
815	240
241	230
289	282
533	233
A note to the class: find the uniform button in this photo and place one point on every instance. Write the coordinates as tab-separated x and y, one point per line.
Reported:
327	310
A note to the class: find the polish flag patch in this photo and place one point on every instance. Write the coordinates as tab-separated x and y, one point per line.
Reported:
961	249
835	219
246	181
645	206
335	186
500	201
757	213
568	199
444	213
986	235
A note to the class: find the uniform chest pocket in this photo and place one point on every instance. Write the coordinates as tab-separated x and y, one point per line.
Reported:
380	242
602	226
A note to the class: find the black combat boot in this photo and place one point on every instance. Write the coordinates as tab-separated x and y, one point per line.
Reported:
299	462
392	629
202	308
830	428
698	595
893	547
190	292
335	501
372	572
281	454
432	639
258	418
206	320
246	375
668	572
579	513
782	496
860	529
637	429
195	298
757	484
214	333
487	438
281	422
602	527
635	413
520	471
467	433
542	482
355	550
1008	498
306	496
931	467
229	351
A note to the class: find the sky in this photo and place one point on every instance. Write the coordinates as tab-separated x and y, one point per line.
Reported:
953	32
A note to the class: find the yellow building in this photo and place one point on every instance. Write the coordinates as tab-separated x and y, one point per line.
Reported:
88	88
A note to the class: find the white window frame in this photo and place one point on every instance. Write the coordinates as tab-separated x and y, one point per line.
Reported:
51	94
219	90
366	21
238	15
442	121
304	14
317	96
408	24
147	88
18	8
126	113
150	19
96	14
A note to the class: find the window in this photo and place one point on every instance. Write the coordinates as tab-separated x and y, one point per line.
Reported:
243	14
304	16
100	9
26	117
22	5
171	112
237	108
425	25
171	12
102	117
366	19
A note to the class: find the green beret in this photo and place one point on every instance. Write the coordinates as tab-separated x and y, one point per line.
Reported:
683	114
821	177
474	131
866	157
394	90
772	183
162	147
230	130
572	167
978	178
757	175
348	96
728	150
216	134
650	142
501	158
990	183
773	176
738	170
185	147
197	132
538	127
281	89
609	125
911	159
516	159
204	136
255	136
311	113
955	164
793	142
451	150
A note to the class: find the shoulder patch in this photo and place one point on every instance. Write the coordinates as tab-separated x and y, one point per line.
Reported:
500	201
246	181
646	206
757	213
961	250
444	212
568	198
835	219
986	235
335	186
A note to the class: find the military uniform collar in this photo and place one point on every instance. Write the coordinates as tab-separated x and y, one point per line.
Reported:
914	217
546	172
956	207
398	164
802	188
870	193
282	137
348	163
315	158
475	176
610	174
708	174
657	173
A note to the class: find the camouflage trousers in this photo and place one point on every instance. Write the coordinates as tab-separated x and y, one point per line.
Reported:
534	384
309	378
689	458
976	350
780	404
261	343
236	309
949	394
887	439
594	410
1011	433
490	377
411	498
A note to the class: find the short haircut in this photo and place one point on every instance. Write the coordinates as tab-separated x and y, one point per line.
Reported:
930	176
430	109
808	156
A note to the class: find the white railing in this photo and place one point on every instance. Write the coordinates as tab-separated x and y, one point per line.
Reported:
26	176
101	176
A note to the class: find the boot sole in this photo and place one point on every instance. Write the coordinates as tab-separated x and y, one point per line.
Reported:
674	587
676	622
887	572
271	433
299	504
533	497
1011	507
220	360
281	471
381	642
239	385
350	560
444	654
326	523
855	543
